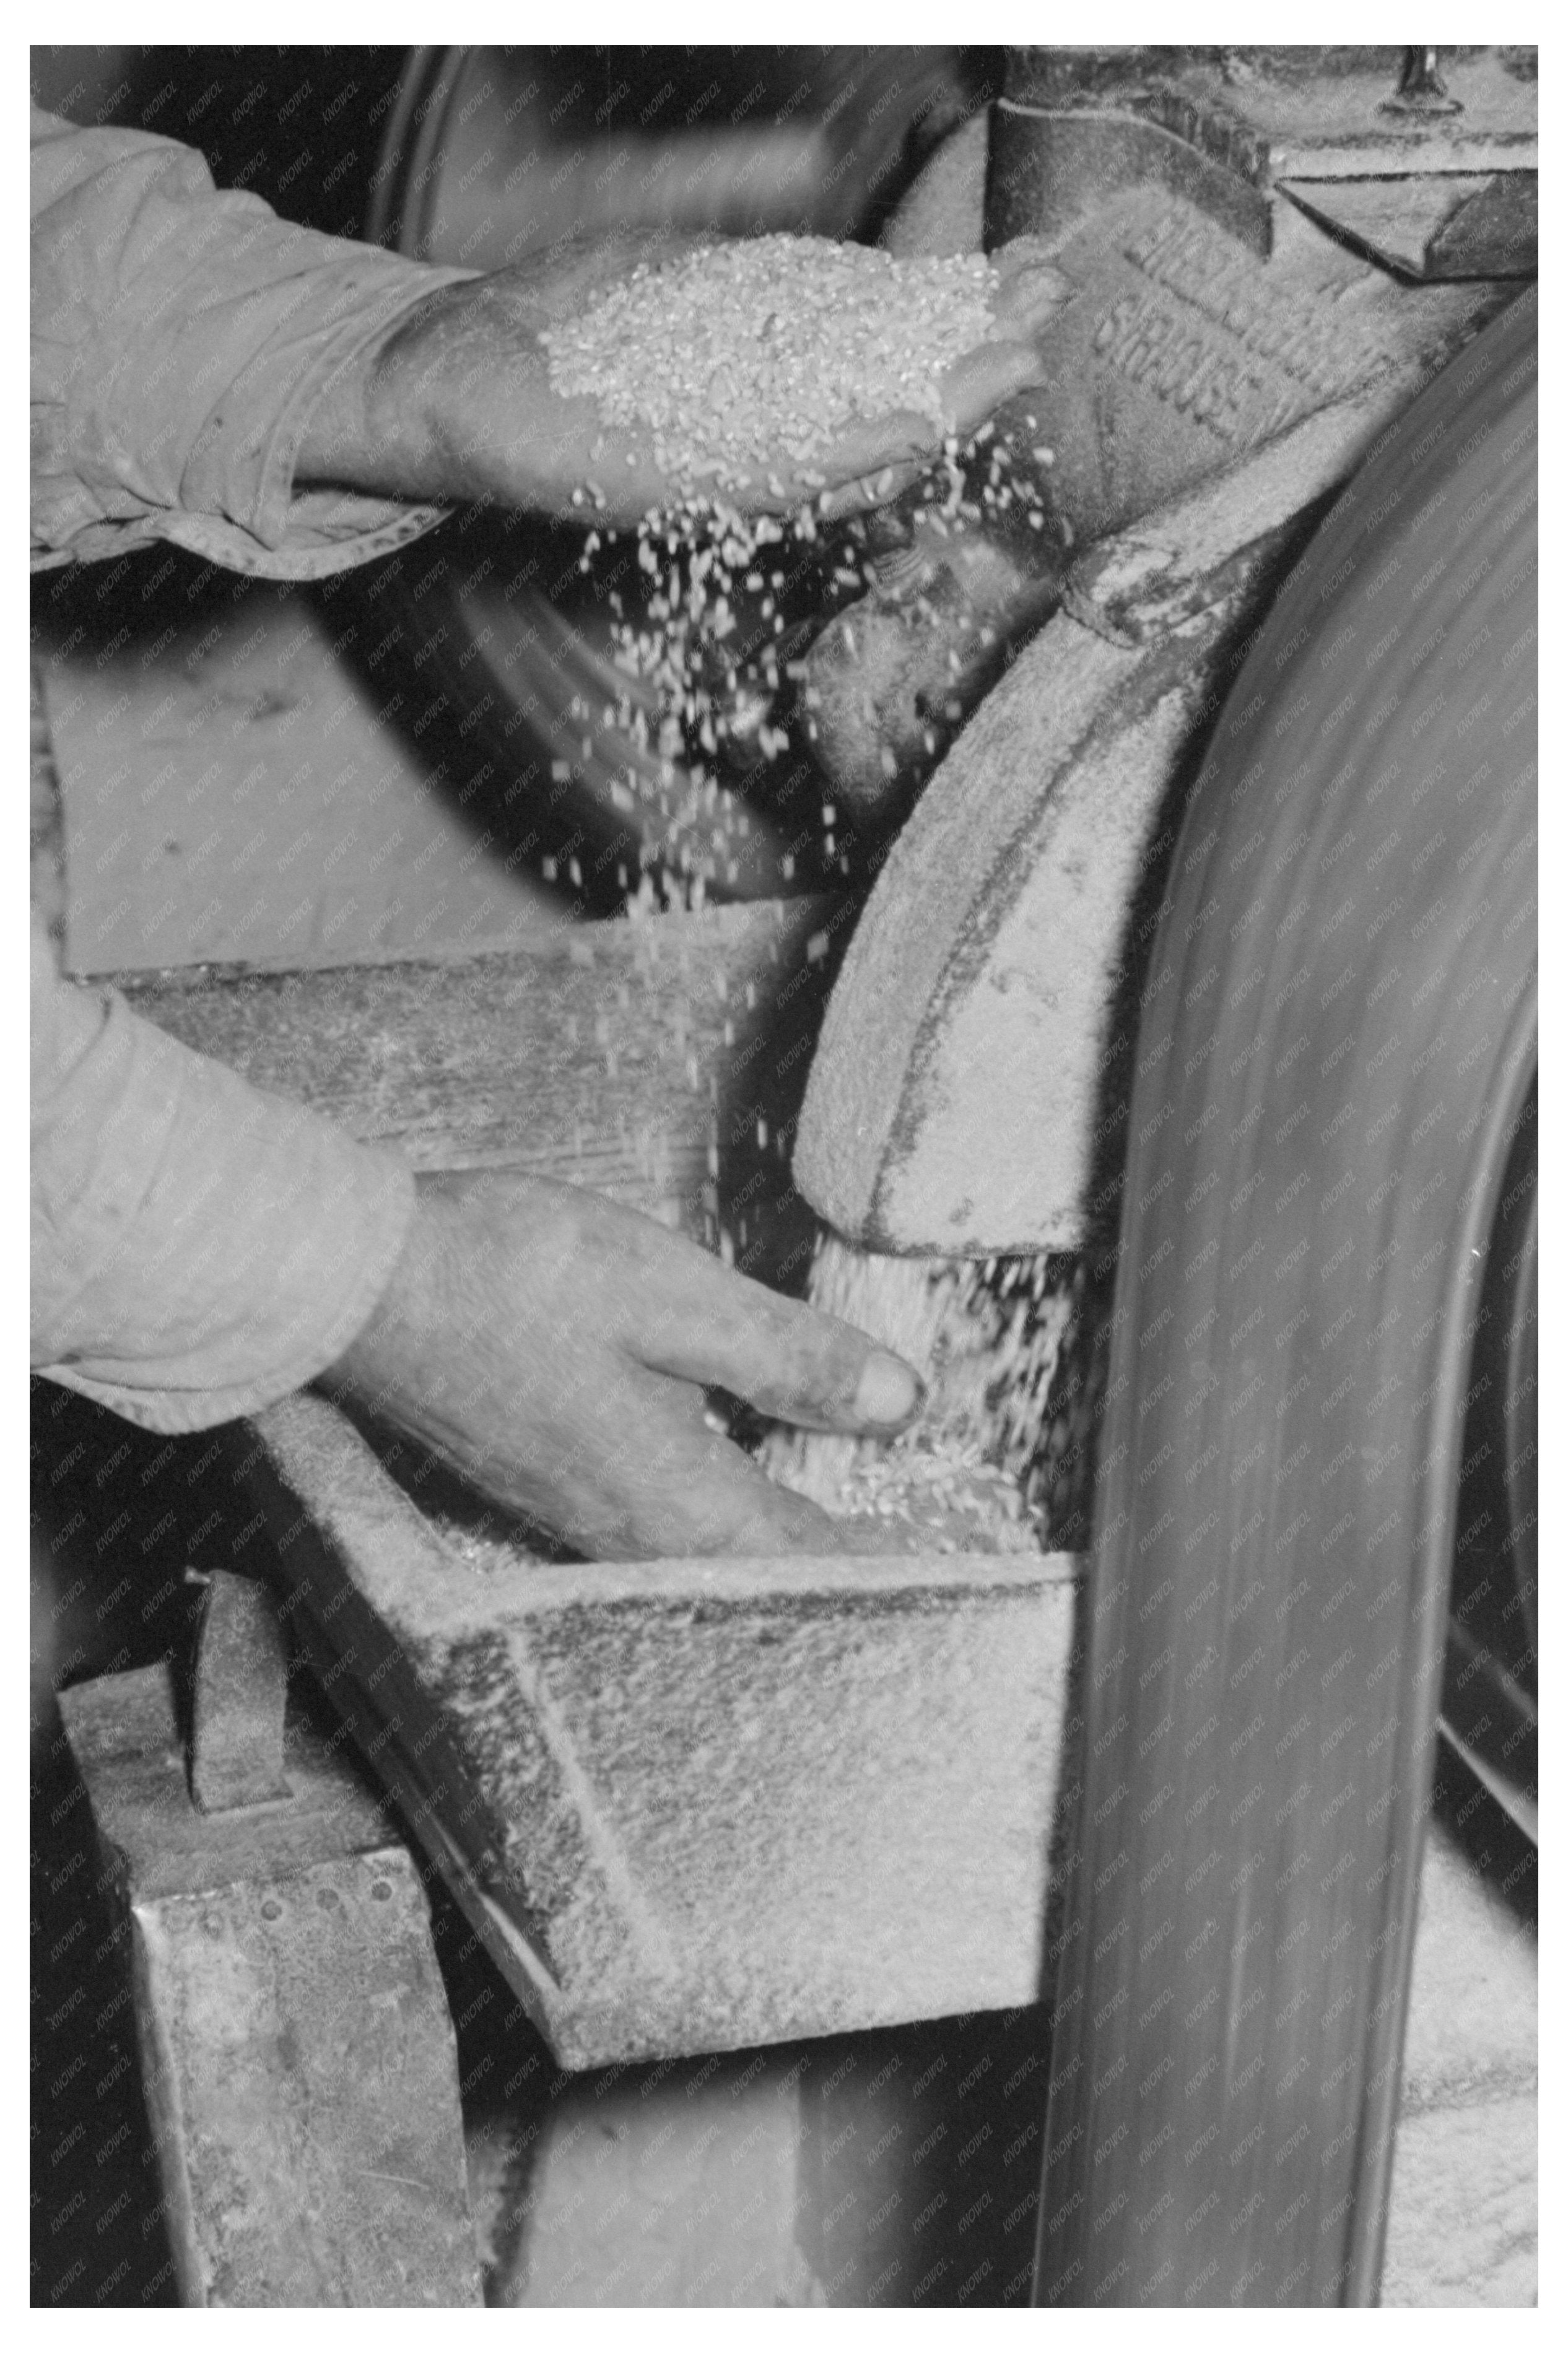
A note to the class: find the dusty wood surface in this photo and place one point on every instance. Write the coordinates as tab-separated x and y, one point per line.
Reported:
697	1804
235	782
659	1063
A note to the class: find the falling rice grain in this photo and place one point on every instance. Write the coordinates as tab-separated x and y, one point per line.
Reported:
987	1338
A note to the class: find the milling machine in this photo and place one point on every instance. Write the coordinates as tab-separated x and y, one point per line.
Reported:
1213	924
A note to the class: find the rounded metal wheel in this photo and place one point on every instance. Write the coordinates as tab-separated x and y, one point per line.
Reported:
490	155
1335	1063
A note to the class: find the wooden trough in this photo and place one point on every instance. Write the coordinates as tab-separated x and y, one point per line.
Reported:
694	1805
688	1804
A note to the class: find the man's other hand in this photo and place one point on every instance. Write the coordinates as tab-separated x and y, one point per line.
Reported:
554	1348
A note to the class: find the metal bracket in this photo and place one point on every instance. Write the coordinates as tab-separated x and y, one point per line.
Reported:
298	2059
241	1687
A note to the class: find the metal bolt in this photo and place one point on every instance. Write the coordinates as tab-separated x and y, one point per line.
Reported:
381	1889
271	1909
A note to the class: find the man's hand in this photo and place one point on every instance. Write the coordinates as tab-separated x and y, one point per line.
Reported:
554	1348
875	460
456	404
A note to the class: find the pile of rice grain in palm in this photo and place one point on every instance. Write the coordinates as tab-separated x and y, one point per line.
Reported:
987	1335
771	345
733	358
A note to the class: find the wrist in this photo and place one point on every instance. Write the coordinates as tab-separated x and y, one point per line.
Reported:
389	1354
376	426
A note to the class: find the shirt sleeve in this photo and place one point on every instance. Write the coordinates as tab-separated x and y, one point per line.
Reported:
200	1249
181	339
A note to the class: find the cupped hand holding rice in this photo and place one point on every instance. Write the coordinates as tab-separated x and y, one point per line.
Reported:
626	375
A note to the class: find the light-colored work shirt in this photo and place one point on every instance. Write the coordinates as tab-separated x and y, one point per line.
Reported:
199	1247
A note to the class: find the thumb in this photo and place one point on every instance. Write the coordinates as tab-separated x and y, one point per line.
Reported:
1032	287
977	384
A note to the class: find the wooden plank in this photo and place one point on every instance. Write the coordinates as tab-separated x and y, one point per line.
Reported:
661	1062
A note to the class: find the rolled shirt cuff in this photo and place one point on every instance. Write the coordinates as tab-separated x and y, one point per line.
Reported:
290	532
238	504
181	339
